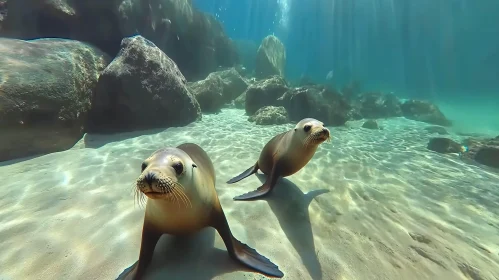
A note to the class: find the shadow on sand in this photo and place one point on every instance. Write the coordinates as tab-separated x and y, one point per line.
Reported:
290	205
189	257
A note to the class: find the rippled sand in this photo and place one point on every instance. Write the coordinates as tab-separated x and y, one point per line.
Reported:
369	205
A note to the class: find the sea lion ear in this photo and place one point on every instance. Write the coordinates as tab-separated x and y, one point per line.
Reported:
296	129
194	165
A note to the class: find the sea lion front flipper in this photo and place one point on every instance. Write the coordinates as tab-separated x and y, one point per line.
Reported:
149	240
244	174
240	251
263	189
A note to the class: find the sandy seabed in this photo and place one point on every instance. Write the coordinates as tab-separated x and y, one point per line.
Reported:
372	204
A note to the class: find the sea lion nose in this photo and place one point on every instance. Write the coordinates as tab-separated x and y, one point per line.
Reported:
149	178
325	130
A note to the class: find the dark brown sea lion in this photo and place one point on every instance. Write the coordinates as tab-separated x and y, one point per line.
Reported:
285	154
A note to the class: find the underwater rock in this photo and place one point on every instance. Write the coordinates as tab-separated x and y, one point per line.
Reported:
424	111
240	101
219	88
264	93
436	129
195	40
233	84
270	58
351	89
483	151
375	105
370	124
444	145
316	102
141	88
269	115
45	93
208	93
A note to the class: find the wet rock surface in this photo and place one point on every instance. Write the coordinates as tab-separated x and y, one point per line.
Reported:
444	145
370	124
219	88
46	89
270	58
269	115
316	102
195	40
141	88
378	105
483	151
424	111
264	93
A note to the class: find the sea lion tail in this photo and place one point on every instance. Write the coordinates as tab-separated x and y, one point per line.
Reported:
245	174
250	257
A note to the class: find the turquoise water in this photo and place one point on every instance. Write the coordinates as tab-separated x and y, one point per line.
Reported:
401	97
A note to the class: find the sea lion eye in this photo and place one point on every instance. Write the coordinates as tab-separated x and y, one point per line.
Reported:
179	168
307	128
144	165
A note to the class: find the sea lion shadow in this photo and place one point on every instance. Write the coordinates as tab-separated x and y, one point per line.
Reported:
290	205
189	257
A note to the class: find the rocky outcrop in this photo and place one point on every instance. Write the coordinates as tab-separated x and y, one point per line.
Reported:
270	58
424	111
264	93
209	93
45	94
445	145
269	115
436	129
378	105
141	88
370	124
316	102
194	40
483	151
219	88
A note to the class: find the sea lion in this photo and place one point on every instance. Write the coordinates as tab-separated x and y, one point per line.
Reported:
181	198
285	154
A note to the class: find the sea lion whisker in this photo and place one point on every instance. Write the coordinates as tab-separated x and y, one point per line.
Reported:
181	191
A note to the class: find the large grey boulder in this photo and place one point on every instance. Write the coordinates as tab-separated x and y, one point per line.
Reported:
45	94
270	58
141	88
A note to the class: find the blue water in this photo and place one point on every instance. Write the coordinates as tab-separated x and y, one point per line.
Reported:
422	48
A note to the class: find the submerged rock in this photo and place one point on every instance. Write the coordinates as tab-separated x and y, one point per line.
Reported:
45	93
269	115
209	93
270	58
436	129
264	93
424	111
195	40
445	145
316	102
141	88
379	105
370	124
484	151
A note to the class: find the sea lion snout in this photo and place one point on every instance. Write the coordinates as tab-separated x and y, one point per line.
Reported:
154	182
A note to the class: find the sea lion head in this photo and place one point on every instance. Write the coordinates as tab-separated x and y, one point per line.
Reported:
311	132
166	175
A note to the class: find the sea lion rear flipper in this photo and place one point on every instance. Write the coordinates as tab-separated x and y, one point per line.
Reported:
262	190
240	251
244	174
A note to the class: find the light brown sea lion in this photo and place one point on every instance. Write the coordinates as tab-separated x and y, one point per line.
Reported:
181	199
285	154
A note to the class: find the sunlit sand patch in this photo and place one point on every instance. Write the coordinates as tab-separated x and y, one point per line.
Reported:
392	210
